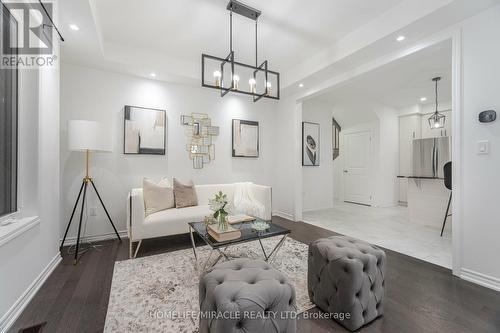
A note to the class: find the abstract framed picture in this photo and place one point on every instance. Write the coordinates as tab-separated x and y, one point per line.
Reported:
310	144
144	131
245	138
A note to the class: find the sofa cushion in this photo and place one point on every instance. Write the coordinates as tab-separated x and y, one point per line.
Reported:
173	221
157	197
185	194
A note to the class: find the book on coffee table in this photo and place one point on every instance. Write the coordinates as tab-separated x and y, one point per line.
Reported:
223	235
239	218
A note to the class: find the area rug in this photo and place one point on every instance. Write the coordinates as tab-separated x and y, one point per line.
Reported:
160	293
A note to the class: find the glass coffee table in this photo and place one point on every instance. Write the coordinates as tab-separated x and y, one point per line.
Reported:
247	235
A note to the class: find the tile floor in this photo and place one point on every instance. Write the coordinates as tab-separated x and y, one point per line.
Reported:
386	227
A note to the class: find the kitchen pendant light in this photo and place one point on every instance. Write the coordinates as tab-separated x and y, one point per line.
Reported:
436	121
224	73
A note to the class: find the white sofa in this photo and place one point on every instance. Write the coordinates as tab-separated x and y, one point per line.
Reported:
174	221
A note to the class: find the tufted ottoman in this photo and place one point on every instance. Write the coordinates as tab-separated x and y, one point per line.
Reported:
346	279
245	295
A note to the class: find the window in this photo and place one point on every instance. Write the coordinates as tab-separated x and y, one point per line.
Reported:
8	123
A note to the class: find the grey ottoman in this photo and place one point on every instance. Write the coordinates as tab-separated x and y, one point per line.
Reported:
346	278
245	295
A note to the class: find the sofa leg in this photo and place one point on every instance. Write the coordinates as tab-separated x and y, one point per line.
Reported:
137	248
130	248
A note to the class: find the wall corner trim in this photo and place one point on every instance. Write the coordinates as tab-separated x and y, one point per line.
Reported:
480	279
17	308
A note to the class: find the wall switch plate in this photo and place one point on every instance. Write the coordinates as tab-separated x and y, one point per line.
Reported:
92	211
483	147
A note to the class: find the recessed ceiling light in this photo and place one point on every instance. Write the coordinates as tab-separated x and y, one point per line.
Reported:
152	74
423	99
401	38
74	27
301	85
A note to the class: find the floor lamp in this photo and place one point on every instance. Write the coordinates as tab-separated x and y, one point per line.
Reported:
86	136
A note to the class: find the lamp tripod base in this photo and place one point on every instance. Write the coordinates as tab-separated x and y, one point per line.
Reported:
85	184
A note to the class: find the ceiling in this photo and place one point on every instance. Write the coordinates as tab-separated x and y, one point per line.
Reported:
400	83
307	41
289	30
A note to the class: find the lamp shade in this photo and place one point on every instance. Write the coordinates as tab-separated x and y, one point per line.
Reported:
86	135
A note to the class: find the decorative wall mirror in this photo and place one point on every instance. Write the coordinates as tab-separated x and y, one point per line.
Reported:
335	138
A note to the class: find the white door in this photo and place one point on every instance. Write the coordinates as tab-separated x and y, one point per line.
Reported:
357	182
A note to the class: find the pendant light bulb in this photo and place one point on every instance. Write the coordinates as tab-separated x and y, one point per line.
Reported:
236	82
217	77
252	84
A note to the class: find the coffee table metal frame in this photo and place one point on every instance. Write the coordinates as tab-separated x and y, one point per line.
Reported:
223	252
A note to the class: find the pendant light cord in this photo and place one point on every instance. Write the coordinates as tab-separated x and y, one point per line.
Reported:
437	96
256	59
231	30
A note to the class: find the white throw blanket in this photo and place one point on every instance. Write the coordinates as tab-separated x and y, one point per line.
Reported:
244	201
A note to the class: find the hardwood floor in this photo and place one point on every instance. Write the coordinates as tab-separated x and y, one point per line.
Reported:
420	297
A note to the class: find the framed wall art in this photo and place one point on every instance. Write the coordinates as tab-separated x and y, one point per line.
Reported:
245	138
310	144
145	131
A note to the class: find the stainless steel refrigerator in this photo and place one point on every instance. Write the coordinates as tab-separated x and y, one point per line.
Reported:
429	157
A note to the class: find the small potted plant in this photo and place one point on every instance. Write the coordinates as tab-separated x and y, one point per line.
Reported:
218	205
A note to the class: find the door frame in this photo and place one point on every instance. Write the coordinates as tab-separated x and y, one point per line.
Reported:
455	35
370	166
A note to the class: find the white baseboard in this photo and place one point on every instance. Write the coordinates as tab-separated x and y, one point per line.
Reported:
480	279
284	215
95	238
316	209
15	310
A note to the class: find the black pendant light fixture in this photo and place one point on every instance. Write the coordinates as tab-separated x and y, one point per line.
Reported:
224	74
436	121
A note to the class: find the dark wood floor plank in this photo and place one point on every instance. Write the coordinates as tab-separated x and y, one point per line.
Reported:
420	297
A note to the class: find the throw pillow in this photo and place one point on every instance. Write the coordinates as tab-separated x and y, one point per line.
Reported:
185	194
157	197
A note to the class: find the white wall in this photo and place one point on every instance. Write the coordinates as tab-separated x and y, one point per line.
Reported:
317	182
480	173
27	259
387	190
97	95
287	173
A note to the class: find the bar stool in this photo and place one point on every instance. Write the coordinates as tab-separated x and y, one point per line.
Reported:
447	184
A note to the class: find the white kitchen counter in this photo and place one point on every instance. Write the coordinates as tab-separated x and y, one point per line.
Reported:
427	201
